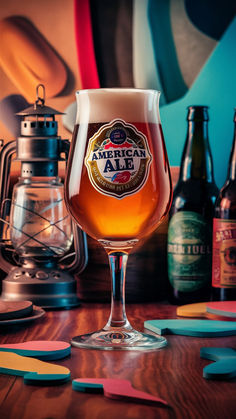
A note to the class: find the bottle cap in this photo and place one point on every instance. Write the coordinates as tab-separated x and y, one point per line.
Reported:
198	113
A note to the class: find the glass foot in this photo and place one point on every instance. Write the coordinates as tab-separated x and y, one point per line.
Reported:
119	340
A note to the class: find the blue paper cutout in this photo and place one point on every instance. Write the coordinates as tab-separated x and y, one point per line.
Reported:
215	87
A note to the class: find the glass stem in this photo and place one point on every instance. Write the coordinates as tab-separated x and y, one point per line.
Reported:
118	263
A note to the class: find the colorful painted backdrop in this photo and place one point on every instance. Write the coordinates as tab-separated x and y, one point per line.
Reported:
184	48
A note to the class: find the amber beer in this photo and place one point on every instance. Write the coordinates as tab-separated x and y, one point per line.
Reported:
123	190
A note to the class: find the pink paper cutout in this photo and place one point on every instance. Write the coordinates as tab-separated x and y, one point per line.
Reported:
223	308
85	48
122	389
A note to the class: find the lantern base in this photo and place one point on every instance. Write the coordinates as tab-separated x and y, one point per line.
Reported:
45	288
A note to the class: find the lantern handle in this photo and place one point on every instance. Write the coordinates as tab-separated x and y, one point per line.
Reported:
39	100
5	161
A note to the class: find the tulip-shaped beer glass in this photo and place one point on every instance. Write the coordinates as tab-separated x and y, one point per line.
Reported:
118	190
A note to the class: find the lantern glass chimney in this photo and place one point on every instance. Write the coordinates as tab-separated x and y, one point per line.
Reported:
40	225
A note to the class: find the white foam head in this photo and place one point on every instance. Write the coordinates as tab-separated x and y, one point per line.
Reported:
104	105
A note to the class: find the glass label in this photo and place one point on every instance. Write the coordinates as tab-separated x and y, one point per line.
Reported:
224	253
189	251
118	159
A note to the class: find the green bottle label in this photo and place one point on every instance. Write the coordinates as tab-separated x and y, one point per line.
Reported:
189	251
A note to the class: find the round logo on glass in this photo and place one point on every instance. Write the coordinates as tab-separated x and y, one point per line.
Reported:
118	159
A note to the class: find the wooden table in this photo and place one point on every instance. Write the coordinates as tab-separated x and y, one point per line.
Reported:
173	373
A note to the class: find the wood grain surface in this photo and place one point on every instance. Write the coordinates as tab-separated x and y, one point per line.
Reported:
173	373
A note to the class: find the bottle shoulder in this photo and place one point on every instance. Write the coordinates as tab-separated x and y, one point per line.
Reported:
229	189
194	195
196	185
225	206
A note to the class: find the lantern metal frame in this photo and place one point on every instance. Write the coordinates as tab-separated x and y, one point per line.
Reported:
39	149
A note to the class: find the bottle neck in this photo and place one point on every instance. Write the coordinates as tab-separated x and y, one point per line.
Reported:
232	159
196	160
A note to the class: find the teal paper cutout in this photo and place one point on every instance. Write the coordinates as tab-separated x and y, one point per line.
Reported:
225	365
192	327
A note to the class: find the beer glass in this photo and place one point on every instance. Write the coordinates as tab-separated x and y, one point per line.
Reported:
118	190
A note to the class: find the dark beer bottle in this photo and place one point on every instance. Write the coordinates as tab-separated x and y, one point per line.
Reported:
189	244
224	235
